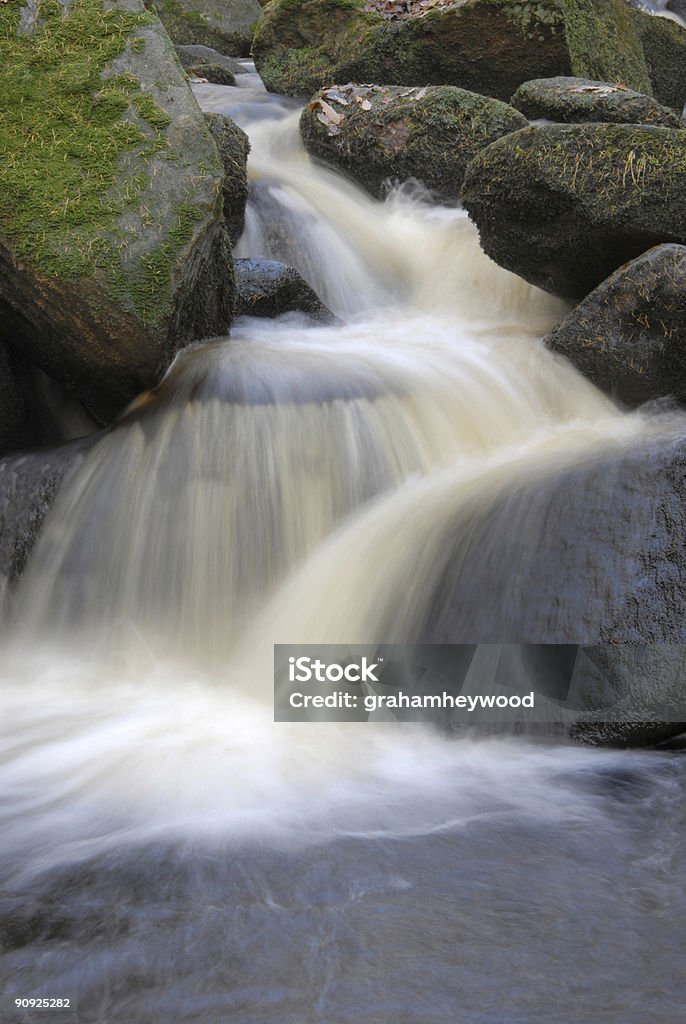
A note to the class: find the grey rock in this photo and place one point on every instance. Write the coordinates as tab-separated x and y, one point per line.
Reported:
579	100
629	335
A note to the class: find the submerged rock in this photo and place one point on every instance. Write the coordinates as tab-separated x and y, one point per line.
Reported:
226	25
487	46
564	206
268	288
629	335
377	132
233	146
579	100
113	249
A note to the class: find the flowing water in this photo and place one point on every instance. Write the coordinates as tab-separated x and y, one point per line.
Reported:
169	854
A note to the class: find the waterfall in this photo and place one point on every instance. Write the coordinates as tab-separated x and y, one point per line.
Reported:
306	483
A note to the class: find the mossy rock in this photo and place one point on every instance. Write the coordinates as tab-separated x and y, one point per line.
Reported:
376	133
580	100
113	248
663	42
486	46
225	25
629	335
564	206
233	146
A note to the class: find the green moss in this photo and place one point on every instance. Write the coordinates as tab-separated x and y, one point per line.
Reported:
604	44
64	129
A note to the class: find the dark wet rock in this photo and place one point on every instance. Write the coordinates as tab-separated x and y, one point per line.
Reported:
629	335
564	206
214	73
268	288
113	250
233	146
577	100
486	46
191	56
16	429
375	133
29	483
225	25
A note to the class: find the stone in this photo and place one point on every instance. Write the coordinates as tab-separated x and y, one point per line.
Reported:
375	133
578	100
269	288
564	206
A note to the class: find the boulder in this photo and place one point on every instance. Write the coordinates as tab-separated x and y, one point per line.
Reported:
193	56
374	133
564	206
113	248
214	73
28	486
585	551
268	288
578	100
663	42
629	335
225	25
486	46
233	147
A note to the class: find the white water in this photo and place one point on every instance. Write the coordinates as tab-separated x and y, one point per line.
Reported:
293	484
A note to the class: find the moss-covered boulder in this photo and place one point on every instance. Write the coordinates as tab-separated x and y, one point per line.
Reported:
580	100
564	206
268	288
374	133
113	248
226	25
233	146
629	335
487	46
663	42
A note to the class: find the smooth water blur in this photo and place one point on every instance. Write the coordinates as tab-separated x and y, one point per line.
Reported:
169	853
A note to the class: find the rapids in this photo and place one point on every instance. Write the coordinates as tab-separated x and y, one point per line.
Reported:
168	852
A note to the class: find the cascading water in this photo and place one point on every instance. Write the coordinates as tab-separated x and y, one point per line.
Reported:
169	853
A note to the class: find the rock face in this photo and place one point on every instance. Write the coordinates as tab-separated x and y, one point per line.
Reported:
374	133
566	205
113	249
629	335
226	25
487	46
579	100
28	486
233	146
268	288
15	424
